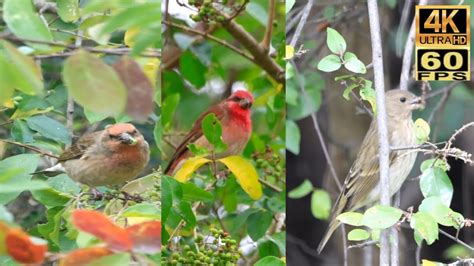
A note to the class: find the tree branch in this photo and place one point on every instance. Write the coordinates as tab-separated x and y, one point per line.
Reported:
384	150
268	33
407	55
29	148
301	24
259	54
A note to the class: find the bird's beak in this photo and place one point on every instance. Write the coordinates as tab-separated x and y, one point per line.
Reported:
417	103
126	138
245	103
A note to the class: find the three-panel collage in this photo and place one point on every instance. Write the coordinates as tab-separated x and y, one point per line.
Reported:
236	132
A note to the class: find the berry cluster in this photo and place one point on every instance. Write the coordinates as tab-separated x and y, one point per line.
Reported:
208	10
216	248
270	163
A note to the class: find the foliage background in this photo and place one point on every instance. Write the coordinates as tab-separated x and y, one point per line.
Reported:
37	39
198	72
343	125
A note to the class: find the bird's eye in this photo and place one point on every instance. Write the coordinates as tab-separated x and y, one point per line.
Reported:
113	136
134	132
403	99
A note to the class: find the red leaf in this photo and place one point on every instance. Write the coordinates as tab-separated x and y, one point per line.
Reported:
22	249
139	87
100	226
84	256
146	237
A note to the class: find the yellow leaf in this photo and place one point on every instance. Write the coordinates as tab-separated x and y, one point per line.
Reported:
189	167
430	263
245	172
130	34
422	130
150	67
9	103
289	52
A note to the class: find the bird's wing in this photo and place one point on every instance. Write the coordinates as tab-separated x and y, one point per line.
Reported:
79	148
194	134
364	173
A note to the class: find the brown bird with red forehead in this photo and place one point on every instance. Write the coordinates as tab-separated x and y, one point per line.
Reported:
109	157
234	115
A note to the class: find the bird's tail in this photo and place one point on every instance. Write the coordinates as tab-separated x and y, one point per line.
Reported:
52	171
333	225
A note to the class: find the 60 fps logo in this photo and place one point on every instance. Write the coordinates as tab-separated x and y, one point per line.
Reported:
442	42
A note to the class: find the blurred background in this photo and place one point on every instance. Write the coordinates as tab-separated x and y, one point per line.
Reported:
343	125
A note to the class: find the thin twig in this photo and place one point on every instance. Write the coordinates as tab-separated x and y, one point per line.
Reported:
302	23
269	185
406	63
451	86
384	149
366	109
456	240
269	30
318	131
363	244
212	38
113	51
29	148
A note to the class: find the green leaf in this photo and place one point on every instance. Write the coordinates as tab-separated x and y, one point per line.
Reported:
435	182
267	248
351	218
245	173
7	83
257	12
212	130
302	190
367	93
335	41
358	235
422	130
293	137
49	128
348	90
115	259
258	224
166	198
353	64
51	229
425	225
94	117
138	15
320	204
144	209
270	261
185	211
68	10
168	108
441	213
192	69
51	197
330	63
23	20
94	84
21	132
435	162
15	174
381	217
289	5
192	193
23	72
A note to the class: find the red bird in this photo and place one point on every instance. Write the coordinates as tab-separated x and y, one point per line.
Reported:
234	115
109	157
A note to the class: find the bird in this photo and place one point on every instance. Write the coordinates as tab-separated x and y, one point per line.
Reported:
235	117
361	186
108	157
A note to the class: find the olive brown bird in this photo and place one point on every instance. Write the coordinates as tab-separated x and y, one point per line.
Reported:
362	185
108	157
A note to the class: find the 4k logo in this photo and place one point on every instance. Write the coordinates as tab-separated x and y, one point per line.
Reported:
442	42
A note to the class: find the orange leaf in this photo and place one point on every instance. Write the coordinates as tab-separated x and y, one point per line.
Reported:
22	249
84	256
146	237
100	226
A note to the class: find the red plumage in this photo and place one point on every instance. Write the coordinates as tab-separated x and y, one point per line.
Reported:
234	116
